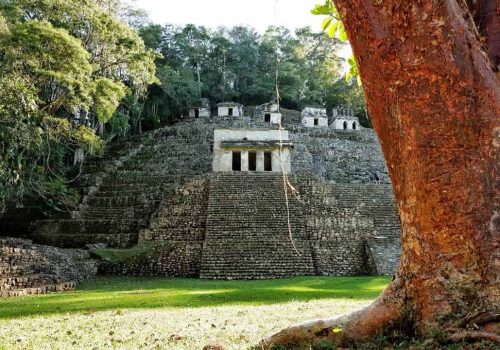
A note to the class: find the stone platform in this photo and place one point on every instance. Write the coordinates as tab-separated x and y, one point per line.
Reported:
27	268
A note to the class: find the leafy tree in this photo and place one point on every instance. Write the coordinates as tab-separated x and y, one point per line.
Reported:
179	86
239	64
70	64
348	93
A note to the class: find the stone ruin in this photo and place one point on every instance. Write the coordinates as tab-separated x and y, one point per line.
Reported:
229	109
268	113
201	110
344	119
27	268
169	196
314	117
243	150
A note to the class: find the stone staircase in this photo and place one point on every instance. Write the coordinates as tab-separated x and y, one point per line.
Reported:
176	233
126	193
26	268
247	232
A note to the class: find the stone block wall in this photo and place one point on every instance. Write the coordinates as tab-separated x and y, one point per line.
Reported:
181	215
341	258
352	211
26	268
384	254
172	244
354	228
339	156
256	259
166	258
235	226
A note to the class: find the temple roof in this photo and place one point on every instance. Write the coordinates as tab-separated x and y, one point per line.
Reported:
229	104
260	144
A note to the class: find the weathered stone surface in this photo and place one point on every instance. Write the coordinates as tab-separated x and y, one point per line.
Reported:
247	231
384	253
27	268
339	156
127	195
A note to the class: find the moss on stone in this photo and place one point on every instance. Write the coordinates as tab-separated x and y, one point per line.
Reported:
115	256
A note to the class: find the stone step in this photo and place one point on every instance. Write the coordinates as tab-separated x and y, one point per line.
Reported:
122	201
27	281
122	225
43	289
255	259
80	240
144	192
138	212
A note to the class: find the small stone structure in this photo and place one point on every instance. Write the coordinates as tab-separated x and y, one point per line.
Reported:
229	109
251	150
268	113
344	119
27	268
314	117
201	110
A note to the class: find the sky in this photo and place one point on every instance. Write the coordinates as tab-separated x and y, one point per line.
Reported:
213	13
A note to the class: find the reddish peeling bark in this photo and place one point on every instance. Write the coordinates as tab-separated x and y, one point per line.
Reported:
434	100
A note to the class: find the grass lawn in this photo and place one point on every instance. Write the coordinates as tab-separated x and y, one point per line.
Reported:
168	313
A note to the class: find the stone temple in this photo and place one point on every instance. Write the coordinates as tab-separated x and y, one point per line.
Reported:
207	197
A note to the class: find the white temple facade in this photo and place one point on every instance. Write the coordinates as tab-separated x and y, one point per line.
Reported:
344	119
314	117
199	112
230	109
268	113
244	150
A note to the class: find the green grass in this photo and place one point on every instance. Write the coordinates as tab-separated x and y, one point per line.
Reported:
111	293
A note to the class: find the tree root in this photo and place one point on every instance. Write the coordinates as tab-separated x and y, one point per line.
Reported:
390	311
358	326
481	335
478	318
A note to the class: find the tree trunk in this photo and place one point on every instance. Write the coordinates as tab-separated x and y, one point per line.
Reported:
434	99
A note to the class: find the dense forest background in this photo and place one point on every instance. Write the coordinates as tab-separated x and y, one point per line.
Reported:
239	64
77	74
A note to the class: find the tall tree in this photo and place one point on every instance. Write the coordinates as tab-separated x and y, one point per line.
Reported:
433	92
72	63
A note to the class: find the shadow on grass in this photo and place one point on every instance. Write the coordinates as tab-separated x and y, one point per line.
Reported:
109	293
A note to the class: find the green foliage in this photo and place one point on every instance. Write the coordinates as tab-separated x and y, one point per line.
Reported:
333	26
49	59
179	86
327	345
237	64
107	95
59	60
122	255
353	71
